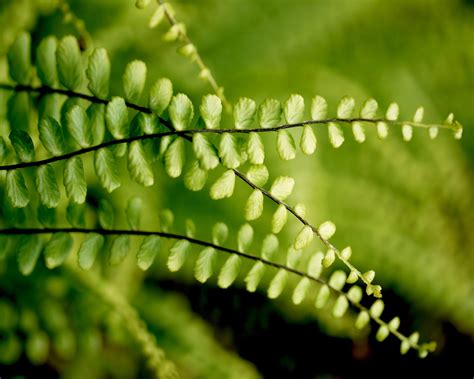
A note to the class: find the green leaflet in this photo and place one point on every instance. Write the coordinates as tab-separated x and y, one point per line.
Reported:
329	258
181	111
160	95
116	118
106	214
244	113
336	137
205	152
142	3
147	252
269	113
190	228
195	179
49	106
377	308
322	297
382	333
223	187
254	276
78	126
138	166
106	169
282	187
293	109
68	56
16	189
47	216
134	79
369	109
204	263
345	107
308	140
228	151
29	250
211	111
157	16
245	237
47	186
279	219
362	320
304	237
18	111
300	291
3	150
407	132
358	131
178	253
51	136
220	232
89	249
19	61
315	264
98	73
23	145
258	175
57	249
46	61
337	279
174	158
286	145
355	294
293	256
255	148
393	112
277	285
229	271
133	211
75	215
340	306
254	205
319	108
382	129
270	246
74	180
119	249
326	230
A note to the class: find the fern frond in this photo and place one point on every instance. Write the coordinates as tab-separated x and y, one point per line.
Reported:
60	244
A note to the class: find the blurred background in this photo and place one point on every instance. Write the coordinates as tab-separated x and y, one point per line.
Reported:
405	208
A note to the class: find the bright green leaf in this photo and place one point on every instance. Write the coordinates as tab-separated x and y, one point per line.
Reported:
293	109
195	179
138	166
147	252
89	249
78	126
119	249
254	276
228	151
204	263
23	145
282	187
51	135
181	111
286	145
16	189
68	56
134	79
244	113
308	140
116	118
277	285
46	61
319	108
174	158
269	113
98	73
160	95
74	180
47	186
29	249
229	271
223	187
211	111
178	253
254	205
106	169
57	249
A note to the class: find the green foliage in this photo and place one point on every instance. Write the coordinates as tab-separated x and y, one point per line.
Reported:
166	131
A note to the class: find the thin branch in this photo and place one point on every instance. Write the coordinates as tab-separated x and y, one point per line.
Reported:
199	61
187	135
108	232
137	328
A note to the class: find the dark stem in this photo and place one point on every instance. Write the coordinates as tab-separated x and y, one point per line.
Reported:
26	231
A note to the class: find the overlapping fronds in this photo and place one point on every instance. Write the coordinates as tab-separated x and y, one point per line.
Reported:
77	117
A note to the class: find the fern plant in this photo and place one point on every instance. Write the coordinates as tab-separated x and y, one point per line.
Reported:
71	144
